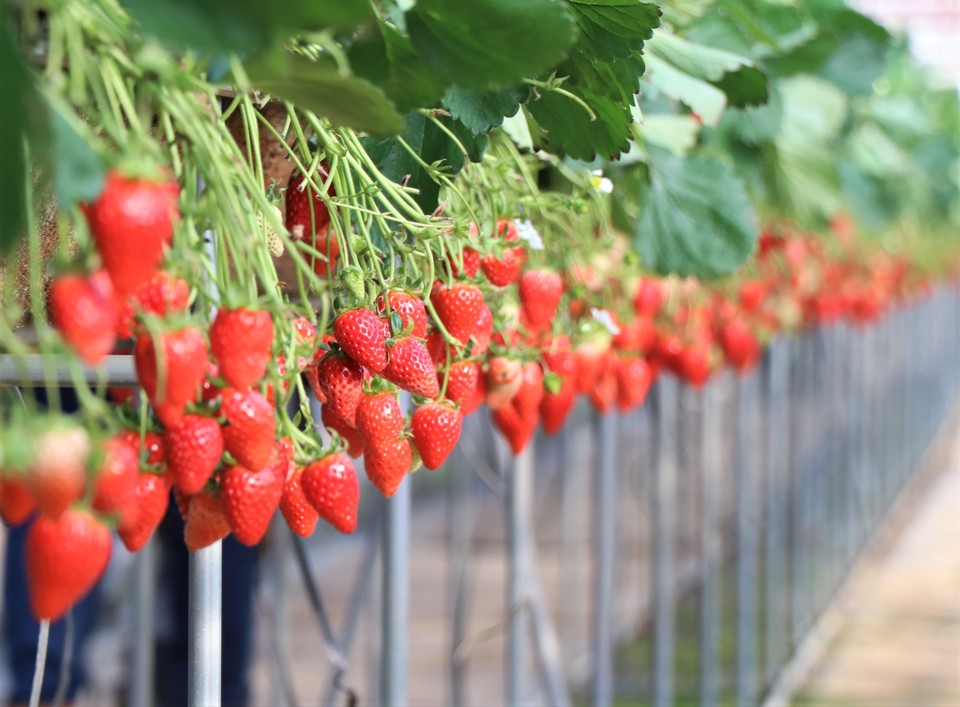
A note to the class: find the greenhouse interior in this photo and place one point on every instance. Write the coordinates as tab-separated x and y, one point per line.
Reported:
502	352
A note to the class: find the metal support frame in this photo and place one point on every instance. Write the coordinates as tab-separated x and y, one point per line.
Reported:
605	537
205	617
710	542
519	508
395	597
747	534
144	588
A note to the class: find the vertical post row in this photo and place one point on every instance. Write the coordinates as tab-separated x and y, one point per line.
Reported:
747	529
605	529
664	521
776	447
460	524
394	595
710	539
141	684
205	614
519	505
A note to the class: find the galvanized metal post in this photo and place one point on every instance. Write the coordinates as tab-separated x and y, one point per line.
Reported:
605	529
710	539
461	525
664	521
747	532
144	583
776	449
205	617
395	597
519	505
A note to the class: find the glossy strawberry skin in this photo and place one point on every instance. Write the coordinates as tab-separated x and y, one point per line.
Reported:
436	429
150	505
250	499
161	295
331	486
348	434
540	293
84	311
304	218
411	368
634	378
241	340
57	476
503	270
387	466
115	486
466	385
299	513
471	264
16	501
131	222
249	432
338	380
185	353
379	421
458	308
206	521
64	559
360	334
193	448
409	307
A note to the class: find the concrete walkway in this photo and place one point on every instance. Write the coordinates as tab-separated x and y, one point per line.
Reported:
898	644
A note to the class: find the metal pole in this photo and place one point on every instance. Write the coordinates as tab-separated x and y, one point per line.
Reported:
395	597
461	527
31	370
664	520
205	614
605	530
519	506
777	481
710	539
144	578
746	541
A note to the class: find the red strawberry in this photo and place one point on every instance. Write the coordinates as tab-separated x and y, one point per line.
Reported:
752	294
57	476
518	420
250	429
739	345
409	307
527	399
193	447
387	467
330	485
115	486
16	501
348	434
458	308
307	213
483	332
436	430
84	312
648	298
411	368
151	440
183	360
149	507
634	377
206	521
250	499
604	392
556	406
540	292
328	247
379	421
471	264
299	513
516	429
360	334
505	269
503	381
466	385
64	559
241	340
338	380
695	365
590	363
131	221
305	332
161	295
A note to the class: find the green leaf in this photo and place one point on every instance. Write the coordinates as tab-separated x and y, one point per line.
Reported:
568	128
319	86
742	82
240	25
614	29
78	171
696	218
813	109
617	80
432	145
17	90
482	111
755	125
704	99
490	43
388	59
675	133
